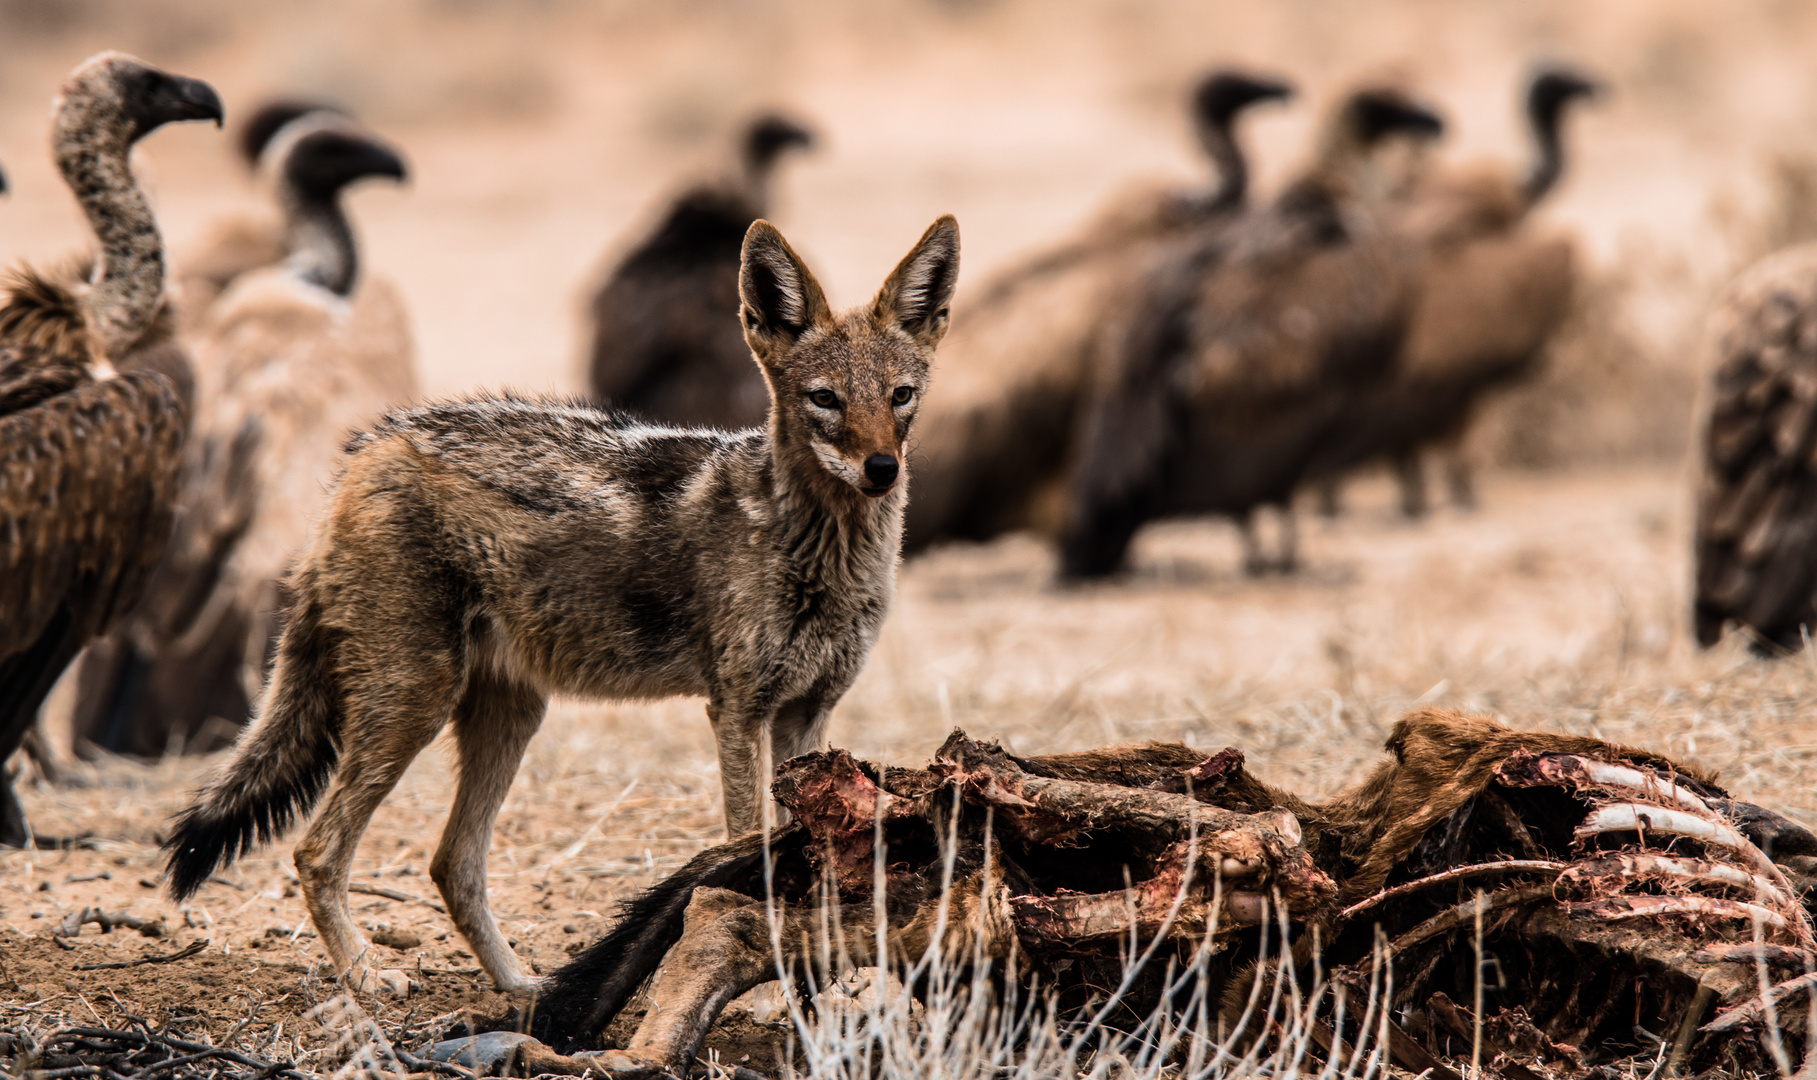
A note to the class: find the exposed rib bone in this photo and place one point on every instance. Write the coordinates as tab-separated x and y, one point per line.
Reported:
1628	868
1756	1008
1642	818
1509	866
1750	952
1463	914
1637	817
1637	907
1572	770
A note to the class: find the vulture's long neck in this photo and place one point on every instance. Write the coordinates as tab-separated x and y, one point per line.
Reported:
1549	154
322	251
94	156
755	170
1220	145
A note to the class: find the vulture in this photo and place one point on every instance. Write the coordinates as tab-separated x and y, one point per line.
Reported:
246	240
94	402
665	338
1225	368
995	435
291	358
1756	532
1495	290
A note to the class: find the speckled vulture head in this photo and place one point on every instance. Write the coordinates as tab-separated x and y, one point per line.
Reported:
113	100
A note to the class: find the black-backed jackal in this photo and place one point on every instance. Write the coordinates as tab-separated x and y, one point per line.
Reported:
481	555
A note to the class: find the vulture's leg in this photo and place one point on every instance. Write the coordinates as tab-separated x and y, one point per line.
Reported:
1255	564
25	681
43	757
1331	497
1412	479
1289	558
12	815
1460	477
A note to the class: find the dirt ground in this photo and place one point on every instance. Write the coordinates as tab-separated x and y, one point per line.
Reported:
1558	605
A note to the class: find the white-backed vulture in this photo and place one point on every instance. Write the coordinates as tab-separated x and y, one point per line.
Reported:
242	240
665	342
1756	541
1235	353
995	436
94	402
1495	289
292	357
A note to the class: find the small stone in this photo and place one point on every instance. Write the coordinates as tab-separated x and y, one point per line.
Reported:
396	939
149	883
570	928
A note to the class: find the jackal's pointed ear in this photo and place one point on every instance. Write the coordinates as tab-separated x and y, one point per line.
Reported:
919	292
781	300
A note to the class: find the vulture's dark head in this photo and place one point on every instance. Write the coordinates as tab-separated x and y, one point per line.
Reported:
323	153
1375	113
1555	86
113	100
268	119
1224	93
769	135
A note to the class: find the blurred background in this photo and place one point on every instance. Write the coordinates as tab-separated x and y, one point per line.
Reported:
542	133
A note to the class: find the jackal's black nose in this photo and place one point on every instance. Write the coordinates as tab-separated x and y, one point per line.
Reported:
881	470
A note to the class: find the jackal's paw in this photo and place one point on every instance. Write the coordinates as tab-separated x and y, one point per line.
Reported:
620	1066
522	987
379	982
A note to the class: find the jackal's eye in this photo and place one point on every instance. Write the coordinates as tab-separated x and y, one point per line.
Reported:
903	395
826	399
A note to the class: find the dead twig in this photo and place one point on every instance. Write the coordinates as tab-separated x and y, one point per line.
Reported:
180	954
72	924
393	894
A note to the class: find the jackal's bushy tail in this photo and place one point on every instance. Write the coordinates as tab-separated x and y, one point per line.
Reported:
279	766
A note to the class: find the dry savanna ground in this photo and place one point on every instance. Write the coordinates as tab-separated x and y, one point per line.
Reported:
1559	605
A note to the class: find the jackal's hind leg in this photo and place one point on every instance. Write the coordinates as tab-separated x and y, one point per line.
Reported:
492	724
372	761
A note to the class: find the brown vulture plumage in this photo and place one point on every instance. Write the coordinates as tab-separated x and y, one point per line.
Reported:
1757	500
1241	343
994	438
292	357
93	402
665	338
1494	290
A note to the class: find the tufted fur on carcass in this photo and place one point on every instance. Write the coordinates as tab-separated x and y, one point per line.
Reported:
1615	903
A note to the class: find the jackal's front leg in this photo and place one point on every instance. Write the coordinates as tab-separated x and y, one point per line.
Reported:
739	733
